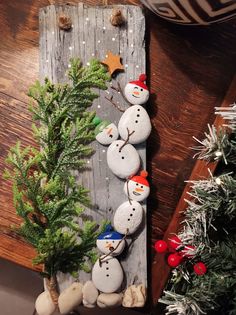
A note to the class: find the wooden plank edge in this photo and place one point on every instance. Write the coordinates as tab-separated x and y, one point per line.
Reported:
200	171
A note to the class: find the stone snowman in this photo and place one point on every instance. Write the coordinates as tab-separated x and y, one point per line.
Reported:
107	273
135	119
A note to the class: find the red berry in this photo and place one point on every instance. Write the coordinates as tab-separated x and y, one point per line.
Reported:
161	246
200	268
174	260
188	251
175	242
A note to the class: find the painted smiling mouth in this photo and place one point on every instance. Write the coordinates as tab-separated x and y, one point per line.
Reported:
136	194
135	96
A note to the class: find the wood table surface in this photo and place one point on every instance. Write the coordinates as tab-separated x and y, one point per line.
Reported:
189	72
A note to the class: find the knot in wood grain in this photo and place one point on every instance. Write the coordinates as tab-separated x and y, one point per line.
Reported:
64	22
117	18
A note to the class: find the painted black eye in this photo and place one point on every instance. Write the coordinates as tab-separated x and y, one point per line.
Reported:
136	184
141	89
113	241
141	186
122	157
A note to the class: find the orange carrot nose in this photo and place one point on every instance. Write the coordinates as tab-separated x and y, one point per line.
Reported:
108	245
136	93
139	190
109	131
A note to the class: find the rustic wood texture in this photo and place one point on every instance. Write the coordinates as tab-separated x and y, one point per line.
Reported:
91	37
189	69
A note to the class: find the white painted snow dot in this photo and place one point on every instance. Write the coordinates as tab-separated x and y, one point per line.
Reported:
69	65
88	161
93	54
47	60
131	31
132	45
88	63
70	48
218	181
104	27
83	42
126	66
87	19
99	106
137	66
99	41
53	32
113	39
103	151
107	178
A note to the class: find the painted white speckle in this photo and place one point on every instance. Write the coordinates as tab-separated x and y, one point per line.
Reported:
103	151
218	181
70	48
99	106
137	66
88	161
72	25
53	32
104	28
88	63
107	92
69	65
83	42
106	56
93	54
99	41
87	19
132	45
126	65
107	178
131	31
113	39
47	60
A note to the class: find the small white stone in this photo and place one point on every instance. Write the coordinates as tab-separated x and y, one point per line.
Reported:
218	181
135	118
135	296
218	153
107	276
128	217
106	134
90	294
70	298
123	161
109	300
44	304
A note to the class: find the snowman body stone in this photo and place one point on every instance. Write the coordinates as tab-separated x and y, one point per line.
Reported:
111	242
128	217
123	159
107	274
137	187
135	119
105	131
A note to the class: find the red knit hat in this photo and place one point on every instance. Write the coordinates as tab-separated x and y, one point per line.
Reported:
140	82
141	179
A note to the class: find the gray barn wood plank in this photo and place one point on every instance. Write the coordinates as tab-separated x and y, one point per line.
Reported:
93	35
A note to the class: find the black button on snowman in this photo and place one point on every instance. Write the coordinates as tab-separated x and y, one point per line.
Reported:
123	160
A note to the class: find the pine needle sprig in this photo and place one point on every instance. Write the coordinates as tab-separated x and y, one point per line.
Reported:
46	195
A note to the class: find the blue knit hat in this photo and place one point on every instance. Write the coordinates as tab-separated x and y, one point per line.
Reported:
110	234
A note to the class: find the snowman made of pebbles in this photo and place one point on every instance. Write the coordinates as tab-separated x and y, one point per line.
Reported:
107	273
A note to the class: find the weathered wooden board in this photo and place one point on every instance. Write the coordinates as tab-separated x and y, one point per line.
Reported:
92	36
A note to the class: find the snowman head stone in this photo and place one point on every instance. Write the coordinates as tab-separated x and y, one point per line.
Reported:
111	242
105	131
137	187
137	92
